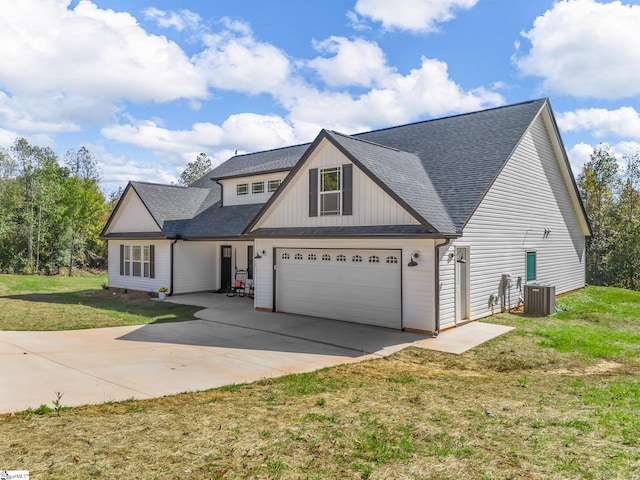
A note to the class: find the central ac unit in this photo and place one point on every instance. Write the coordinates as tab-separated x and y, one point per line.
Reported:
539	299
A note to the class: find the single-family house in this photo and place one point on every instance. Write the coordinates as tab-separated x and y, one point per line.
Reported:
420	227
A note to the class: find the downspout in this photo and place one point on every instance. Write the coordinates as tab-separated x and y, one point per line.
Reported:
436	296
177	237
221	192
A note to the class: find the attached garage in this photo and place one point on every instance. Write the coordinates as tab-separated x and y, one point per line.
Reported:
362	286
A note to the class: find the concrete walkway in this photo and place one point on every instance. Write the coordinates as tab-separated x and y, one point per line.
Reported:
229	343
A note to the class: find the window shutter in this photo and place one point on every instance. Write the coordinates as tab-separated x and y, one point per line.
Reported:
121	259
152	261
347	189
313	192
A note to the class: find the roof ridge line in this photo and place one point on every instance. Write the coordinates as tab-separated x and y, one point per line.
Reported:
364	140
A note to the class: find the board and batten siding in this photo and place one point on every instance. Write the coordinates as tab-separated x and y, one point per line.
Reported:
194	266
529	196
229	189
417	282
132	216
161	264
371	204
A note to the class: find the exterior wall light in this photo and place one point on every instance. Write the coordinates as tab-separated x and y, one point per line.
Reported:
412	262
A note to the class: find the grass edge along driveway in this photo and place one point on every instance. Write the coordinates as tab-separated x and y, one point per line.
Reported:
70	303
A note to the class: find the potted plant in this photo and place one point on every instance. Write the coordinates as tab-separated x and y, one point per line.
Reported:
162	293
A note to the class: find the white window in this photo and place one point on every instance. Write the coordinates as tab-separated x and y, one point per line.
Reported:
136	261
330	191
272	185
242	189
257	188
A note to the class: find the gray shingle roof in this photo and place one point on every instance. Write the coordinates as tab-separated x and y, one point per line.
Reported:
172	202
439	169
403	176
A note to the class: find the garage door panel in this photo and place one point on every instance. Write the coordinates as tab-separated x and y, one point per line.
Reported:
356	291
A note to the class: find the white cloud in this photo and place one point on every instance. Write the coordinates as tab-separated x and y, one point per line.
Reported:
182	20
75	65
243	132
356	62
234	60
414	15
586	48
580	154
427	90
600	122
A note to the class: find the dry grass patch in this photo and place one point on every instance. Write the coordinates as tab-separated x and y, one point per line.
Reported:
416	414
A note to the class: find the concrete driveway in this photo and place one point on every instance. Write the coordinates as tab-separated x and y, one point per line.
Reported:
229	343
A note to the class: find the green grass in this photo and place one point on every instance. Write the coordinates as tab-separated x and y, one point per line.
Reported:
68	303
556	398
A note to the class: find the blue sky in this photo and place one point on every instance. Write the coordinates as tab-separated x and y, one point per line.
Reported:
147	85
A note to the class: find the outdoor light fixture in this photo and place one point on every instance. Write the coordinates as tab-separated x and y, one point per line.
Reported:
461	258
413	262
258	256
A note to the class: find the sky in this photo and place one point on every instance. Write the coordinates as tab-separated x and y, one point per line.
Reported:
147	85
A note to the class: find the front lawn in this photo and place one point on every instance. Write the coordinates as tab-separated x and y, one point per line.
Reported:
31	302
547	400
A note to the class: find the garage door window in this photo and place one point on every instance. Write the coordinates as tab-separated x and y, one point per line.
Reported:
341	258
312	256
356	258
374	259
285	256
298	256
392	259
326	257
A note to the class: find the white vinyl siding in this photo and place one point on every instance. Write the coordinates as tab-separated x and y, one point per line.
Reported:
194	266
371	204
251	189
529	196
132	216
145	284
417	282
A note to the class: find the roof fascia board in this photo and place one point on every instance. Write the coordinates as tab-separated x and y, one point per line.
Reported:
565	168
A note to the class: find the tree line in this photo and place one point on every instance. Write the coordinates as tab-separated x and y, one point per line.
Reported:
610	191
51	210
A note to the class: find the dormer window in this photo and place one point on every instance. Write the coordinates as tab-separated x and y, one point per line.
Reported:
257	187
242	189
272	185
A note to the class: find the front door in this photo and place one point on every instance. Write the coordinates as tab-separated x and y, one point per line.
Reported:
462	284
225	266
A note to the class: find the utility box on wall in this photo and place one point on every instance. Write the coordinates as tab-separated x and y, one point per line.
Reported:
539	299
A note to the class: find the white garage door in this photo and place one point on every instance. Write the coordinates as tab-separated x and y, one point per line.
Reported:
361	286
